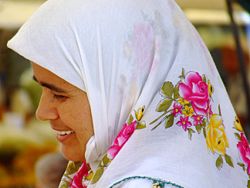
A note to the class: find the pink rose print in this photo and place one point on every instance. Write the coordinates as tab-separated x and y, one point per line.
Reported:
188	104
121	139
177	109
244	149
78	177
184	123
195	90
112	151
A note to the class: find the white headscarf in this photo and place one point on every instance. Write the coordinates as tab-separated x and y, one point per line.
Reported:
120	52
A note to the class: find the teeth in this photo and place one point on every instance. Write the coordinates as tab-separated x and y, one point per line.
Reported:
64	133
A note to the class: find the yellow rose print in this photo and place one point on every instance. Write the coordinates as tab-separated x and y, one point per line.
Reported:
210	88
237	124
215	135
139	113
189	104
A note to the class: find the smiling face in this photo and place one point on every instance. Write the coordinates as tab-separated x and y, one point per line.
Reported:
67	108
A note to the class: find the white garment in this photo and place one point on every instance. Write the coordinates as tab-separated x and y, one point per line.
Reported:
120	52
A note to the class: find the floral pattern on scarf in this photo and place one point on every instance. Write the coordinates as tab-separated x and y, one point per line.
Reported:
243	148
188	104
80	175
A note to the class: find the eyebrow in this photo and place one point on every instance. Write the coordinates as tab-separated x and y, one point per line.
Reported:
50	86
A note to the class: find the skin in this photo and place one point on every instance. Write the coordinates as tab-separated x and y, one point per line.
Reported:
67	108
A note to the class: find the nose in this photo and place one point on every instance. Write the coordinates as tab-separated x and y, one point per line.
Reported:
46	110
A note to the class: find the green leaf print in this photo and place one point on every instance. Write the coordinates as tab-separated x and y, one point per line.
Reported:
140	125
130	119
169	121
204	132
237	136
164	105
204	79
198	128
182	76
167	89
64	185
219	162
229	160
97	175
176	92
190	133
72	168
219	109
105	160
242	165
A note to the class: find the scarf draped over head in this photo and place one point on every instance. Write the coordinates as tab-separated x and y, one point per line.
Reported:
129	55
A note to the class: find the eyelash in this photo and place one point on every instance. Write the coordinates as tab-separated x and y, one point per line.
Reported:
59	97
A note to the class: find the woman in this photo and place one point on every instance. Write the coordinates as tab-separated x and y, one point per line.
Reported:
133	95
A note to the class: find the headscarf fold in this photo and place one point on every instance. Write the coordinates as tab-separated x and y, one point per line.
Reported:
142	53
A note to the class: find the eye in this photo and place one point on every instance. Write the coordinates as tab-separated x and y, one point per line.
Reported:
59	97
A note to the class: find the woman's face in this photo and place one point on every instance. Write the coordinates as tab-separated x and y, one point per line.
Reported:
67	108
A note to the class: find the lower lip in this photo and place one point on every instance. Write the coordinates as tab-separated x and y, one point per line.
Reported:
64	137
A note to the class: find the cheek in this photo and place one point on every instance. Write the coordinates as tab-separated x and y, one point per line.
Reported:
71	118
75	115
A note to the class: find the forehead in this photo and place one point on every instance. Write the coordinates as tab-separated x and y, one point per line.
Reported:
42	75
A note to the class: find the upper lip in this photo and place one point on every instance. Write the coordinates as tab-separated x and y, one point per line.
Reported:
56	128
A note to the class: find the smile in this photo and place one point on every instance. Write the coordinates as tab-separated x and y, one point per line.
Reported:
63	133
62	136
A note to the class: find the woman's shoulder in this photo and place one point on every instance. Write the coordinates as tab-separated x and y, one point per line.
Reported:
145	182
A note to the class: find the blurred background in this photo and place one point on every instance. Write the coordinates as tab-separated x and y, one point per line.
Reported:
25	140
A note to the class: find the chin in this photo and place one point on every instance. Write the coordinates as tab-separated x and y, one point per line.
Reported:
72	154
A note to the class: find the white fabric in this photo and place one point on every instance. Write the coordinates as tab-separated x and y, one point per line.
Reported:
120	52
136	183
